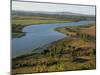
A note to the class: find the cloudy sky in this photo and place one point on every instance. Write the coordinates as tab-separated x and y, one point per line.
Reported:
34	6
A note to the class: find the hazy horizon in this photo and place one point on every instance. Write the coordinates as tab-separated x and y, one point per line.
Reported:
49	7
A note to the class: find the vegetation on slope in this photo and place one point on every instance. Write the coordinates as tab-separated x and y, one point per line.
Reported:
77	51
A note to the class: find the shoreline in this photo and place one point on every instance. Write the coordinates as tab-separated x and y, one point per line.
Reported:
37	49
73	53
21	33
56	29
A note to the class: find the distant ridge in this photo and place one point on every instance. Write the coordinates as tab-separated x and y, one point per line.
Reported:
49	13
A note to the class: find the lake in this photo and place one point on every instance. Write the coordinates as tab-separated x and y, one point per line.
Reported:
40	35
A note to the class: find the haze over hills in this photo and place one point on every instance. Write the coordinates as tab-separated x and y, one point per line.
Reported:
48	13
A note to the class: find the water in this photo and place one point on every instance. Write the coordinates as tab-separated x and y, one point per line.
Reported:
40	35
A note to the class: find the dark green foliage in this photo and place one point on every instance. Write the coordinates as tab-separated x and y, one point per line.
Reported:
17	28
45	52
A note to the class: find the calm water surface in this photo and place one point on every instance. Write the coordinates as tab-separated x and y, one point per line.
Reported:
40	35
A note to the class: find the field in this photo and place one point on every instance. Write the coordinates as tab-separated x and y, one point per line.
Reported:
34	20
77	51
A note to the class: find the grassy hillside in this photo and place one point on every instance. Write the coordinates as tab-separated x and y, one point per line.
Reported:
77	51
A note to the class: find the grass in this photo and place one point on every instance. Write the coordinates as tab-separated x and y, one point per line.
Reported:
33	21
74	52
